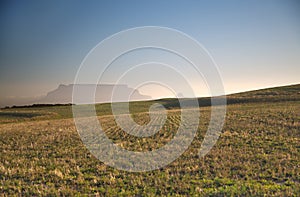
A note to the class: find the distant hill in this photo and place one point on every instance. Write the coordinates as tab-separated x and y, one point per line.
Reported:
275	94
281	93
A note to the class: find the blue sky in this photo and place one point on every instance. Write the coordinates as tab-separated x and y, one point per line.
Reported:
255	43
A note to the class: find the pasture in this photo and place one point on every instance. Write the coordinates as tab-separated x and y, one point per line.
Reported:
257	154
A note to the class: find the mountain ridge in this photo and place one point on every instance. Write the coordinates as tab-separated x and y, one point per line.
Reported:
63	95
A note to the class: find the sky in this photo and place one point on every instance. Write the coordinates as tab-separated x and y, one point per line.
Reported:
256	44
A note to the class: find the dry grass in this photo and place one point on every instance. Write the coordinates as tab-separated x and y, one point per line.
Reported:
258	153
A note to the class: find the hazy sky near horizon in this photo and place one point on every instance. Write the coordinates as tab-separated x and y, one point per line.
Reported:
255	43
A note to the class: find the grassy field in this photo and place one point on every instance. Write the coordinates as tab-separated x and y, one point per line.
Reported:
257	154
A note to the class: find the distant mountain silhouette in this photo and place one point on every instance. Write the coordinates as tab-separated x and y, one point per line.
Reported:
63	95
86	94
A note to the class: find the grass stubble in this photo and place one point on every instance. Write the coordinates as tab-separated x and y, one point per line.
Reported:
257	154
